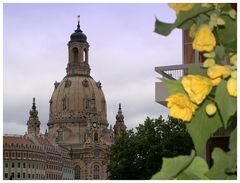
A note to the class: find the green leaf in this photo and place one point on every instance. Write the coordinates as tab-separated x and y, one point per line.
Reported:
166	28
225	163
196	69
168	171
228	33
202	19
174	86
222	162
202	127
231	177
193	30
220	53
163	28
233	140
195	170
227	104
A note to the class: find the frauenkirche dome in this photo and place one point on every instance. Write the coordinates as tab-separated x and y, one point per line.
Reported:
75	98
77	105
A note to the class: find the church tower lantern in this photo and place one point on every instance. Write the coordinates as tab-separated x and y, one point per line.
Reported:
78	53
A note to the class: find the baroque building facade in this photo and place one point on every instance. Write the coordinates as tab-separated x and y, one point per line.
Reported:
77	128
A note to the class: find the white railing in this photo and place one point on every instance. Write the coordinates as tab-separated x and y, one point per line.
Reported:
174	72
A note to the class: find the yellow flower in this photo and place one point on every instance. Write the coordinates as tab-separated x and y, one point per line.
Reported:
181	107
232	86
228	69
211	109
204	39
216	81
209	62
180	7
197	87
216	71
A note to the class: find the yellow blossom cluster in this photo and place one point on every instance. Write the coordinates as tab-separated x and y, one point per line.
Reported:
216	72
197	88
181	107
204	39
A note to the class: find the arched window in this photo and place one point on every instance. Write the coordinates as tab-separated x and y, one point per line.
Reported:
95	137
84	55
77	171
60	134
75	54
96	172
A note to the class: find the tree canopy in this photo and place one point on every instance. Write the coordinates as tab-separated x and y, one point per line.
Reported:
138	154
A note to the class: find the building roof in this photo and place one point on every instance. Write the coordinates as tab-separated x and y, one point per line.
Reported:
16	140
80	95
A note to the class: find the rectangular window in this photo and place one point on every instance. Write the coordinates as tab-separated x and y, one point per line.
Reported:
6	175
33	165
13	165
6	165
6	154
29	176
24	175
24	165
13	154
12	175
29	166
18	175
18	165
33	176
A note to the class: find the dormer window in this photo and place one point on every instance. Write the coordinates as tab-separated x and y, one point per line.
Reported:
65	103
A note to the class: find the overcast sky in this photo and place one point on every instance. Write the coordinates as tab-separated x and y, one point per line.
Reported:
123	53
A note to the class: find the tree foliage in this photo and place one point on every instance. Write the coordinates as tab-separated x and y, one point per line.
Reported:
138	154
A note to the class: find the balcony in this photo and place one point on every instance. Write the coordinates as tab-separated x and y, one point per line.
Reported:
172	72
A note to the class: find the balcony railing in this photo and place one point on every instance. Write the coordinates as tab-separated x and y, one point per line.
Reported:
172	72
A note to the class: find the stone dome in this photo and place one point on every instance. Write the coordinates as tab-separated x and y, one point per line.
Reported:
78	36
77	99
